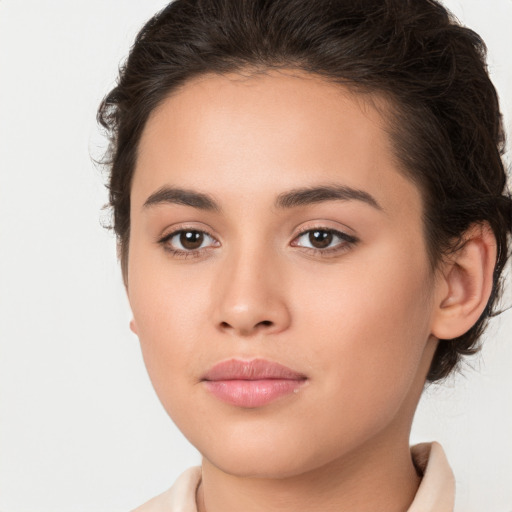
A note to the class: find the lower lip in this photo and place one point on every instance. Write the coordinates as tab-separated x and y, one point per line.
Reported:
252	393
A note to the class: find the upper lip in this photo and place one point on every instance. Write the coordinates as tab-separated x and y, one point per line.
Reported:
255	369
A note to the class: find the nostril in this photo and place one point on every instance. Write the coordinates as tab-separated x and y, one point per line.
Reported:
263	323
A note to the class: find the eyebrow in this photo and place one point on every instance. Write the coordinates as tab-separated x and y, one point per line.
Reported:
173	195
292	199
311	195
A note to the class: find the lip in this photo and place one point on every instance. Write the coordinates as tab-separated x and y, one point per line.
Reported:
253	383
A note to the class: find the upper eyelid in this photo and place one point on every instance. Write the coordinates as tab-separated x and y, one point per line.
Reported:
337	231
320	228
179	229
170	232
323	224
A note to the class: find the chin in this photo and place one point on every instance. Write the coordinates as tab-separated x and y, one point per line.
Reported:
255	465
275	455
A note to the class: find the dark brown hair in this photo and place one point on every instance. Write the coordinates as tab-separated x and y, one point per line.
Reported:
445	125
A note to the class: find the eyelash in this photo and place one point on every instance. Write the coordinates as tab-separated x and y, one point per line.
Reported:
185	254
346	241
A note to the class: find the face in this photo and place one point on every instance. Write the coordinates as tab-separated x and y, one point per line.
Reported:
278	274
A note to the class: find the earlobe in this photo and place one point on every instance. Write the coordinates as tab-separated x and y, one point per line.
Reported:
466	284
133	327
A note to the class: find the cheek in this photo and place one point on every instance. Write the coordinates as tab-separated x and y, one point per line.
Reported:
167	309
367	332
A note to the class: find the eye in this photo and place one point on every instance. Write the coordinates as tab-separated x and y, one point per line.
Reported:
325	240
187	241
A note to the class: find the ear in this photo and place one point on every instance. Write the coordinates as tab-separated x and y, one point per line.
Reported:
465	283
133	327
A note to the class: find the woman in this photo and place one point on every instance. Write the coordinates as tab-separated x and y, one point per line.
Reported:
312	217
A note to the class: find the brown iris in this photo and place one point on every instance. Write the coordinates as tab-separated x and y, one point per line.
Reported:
191	239
320	239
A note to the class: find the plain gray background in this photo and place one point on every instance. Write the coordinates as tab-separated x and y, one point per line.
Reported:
80	427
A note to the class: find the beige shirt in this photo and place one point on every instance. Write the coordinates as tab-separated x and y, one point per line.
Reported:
436	492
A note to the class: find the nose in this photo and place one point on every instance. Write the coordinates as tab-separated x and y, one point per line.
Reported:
250	296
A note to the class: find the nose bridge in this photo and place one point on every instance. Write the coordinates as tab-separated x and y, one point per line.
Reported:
250	293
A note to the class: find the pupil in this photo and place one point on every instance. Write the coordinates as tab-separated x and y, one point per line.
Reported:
191	239
320	239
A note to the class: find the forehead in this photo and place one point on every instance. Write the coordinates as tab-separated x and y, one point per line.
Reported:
277	102
267	131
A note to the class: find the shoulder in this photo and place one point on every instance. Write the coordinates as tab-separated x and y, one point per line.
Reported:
181	497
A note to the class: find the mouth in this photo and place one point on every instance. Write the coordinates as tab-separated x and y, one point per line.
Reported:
251	384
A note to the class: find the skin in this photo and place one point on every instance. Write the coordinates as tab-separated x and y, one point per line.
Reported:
359	319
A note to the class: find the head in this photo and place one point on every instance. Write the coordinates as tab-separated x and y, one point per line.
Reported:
443	115
413	98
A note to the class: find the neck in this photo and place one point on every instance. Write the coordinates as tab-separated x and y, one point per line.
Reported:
378	477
